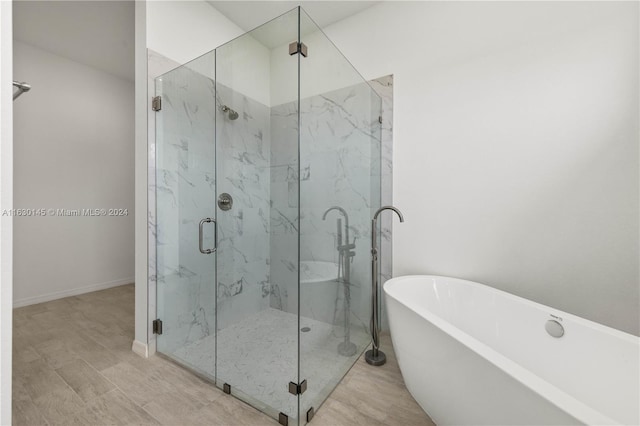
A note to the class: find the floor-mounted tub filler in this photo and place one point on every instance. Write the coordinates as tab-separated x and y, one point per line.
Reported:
471	354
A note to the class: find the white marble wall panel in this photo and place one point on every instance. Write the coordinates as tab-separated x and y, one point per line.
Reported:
243	147
339	155
284	207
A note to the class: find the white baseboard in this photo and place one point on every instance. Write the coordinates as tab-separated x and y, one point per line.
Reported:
140	348
72	292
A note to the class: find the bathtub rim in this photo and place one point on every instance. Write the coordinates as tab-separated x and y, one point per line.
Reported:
546	390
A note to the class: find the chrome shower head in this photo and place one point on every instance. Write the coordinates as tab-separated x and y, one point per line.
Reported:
233	115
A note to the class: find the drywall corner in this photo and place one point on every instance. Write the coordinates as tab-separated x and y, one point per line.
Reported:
6	202
141	207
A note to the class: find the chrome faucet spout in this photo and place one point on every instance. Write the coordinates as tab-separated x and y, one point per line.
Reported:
381	209
346	219
340	209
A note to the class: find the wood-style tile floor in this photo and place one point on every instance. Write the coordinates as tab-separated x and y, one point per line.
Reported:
73	365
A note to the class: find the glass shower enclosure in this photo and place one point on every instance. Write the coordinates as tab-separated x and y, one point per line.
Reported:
267	176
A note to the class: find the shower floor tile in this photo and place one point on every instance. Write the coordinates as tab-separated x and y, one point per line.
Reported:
258	356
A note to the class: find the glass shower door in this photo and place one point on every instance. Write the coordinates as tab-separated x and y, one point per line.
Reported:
265	187
185	196
257	258
339	192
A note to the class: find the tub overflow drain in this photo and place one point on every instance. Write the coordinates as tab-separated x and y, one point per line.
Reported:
554	328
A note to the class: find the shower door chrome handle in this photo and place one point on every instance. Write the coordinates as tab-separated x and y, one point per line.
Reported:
215	236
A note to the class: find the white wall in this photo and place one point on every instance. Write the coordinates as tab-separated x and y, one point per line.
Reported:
73	149
6	202
185	30
515	145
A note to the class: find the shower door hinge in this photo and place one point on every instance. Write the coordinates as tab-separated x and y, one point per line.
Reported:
283	419
157	326
297	389
310	413
295	47
156	103
380	119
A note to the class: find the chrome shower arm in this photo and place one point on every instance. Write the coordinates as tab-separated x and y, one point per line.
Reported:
22	87
381	209
374	226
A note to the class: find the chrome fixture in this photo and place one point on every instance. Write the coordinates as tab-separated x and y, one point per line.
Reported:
231	113
345	258
375	356
201	238
554	328
22	87
225	201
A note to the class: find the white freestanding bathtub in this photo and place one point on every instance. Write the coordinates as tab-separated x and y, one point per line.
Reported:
318	287
471	355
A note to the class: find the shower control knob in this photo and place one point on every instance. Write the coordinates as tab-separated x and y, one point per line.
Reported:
225	201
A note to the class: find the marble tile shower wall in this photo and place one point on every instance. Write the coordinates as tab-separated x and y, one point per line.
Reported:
284	207
243	232
264	271
186	188
339	148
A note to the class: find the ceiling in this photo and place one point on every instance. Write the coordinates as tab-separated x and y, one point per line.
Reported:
96	33
101	34
251	14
